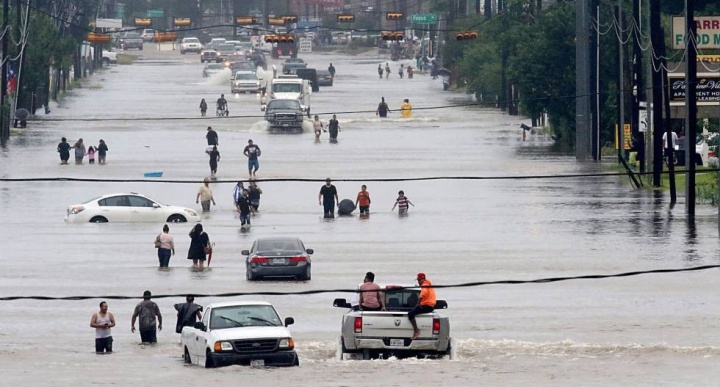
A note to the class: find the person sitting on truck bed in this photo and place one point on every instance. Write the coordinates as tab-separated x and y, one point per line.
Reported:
371	298
426	304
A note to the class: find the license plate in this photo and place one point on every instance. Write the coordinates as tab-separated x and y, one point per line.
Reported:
397	342
279	261
257	363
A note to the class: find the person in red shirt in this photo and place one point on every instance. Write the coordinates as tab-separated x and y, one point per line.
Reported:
426	303
371	297
363	198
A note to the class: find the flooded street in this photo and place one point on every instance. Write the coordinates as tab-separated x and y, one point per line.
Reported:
659	329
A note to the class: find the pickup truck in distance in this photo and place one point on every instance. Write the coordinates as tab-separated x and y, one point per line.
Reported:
239	332
284	114
375	335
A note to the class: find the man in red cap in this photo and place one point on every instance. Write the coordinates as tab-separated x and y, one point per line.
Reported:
426	303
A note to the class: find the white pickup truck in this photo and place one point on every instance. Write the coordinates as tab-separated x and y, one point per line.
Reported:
241	332
374	335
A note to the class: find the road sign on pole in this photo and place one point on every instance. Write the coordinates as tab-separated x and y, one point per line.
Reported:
424	18
155	13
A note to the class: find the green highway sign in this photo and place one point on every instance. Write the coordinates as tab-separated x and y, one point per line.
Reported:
420	18
155	13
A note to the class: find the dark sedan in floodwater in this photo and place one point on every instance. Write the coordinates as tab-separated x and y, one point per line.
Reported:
278	257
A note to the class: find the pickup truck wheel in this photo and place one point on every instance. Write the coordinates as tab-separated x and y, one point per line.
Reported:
450	353
209	363
296	363
186	357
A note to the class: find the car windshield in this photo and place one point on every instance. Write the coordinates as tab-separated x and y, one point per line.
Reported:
226	48
245	76
279	244
132	35
284	104
287	88
192	40
244	316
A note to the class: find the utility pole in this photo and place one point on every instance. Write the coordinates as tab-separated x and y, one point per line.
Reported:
639	89
691	108
656	38
583	119
4	117
621	85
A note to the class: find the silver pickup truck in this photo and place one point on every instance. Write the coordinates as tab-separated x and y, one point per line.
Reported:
374	335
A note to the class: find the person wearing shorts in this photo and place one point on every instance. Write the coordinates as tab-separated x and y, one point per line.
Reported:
363	199
103	321
205	195
252	152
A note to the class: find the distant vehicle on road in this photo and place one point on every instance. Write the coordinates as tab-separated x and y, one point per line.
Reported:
212	69
239	332
279	257
208	55
190	44
244	81
130	40
128	207
148	34
324	78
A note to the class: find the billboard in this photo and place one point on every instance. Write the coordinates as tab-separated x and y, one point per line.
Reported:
707	89
708	32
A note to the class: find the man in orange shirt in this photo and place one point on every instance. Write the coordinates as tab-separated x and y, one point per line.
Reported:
426	303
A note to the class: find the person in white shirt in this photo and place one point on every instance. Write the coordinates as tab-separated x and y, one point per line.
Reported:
102	321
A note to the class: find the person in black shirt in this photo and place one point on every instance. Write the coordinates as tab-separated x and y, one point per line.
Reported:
214	158
243	207
252	152
212	137
64	150
327	198
333	127
331	70
222	106
382	109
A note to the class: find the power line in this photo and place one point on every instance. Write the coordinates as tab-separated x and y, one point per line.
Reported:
324	291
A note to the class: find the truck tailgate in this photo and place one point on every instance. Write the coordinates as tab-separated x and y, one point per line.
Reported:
393	324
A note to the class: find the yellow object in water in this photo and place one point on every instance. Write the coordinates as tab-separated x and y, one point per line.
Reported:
406	110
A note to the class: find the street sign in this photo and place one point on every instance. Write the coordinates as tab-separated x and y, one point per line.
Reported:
305	45
155	13
423	18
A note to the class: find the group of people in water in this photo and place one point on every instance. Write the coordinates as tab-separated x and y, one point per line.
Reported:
401	71
81	151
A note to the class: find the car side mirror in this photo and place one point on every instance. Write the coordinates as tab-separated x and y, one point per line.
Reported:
341	303
200	325
289	321
441	304
245	252
310	251
155	205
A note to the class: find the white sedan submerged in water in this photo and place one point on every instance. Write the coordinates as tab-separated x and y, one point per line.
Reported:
128	207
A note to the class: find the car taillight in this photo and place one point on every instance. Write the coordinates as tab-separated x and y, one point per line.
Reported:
259	260
436	326
298	259
358	324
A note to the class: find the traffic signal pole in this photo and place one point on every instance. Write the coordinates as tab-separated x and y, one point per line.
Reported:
691	108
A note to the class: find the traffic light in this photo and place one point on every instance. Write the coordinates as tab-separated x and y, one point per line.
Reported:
165	37
276	21
289	18
182	22
392	36
345	18
142	22
280	38
394	16
466	35
98	38
245	20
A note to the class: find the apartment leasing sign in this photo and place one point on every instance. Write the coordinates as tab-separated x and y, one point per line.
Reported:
708	32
